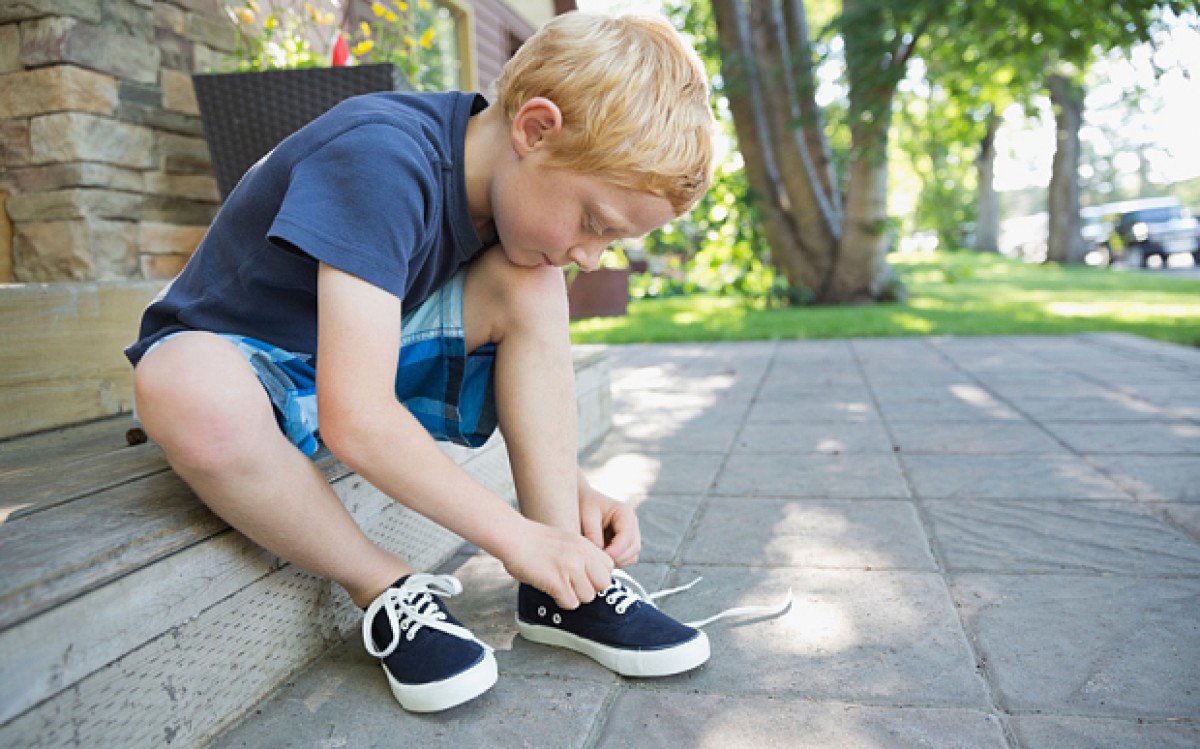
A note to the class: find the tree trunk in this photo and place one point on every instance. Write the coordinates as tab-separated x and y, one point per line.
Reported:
987	221
837	253
862	259
803	263
1065	244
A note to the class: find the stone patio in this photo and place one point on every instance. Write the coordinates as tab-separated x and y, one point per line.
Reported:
991	543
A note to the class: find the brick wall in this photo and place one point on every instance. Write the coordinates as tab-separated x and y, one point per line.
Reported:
104	173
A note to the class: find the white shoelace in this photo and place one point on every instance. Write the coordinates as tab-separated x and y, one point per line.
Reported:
410	607
625	590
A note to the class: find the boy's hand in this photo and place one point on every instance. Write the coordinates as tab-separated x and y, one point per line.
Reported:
610	525
564	565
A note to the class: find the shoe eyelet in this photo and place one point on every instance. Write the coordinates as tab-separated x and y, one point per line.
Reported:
542	611
611	600
557	619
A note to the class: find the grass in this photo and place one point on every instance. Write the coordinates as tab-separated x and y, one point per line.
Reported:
951	293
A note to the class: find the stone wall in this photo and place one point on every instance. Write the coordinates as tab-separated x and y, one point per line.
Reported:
104	173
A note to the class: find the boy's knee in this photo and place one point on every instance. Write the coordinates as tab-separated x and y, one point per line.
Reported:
516	296
199	401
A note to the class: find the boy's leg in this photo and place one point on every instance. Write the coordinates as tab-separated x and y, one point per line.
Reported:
524	311
202	403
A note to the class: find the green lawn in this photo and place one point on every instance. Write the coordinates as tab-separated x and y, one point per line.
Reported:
951	293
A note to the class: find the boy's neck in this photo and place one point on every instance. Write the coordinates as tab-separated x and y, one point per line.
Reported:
488	140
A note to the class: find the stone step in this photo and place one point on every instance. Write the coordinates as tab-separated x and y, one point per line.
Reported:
131	616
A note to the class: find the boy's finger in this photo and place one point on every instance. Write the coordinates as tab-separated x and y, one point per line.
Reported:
593	530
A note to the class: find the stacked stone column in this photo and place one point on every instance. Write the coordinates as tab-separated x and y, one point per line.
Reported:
104	173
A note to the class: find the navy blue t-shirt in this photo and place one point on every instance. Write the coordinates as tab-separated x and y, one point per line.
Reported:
374	187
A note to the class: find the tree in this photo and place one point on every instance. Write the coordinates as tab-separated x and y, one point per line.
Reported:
1053	43
827	235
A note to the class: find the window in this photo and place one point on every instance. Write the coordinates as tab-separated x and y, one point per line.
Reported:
448	62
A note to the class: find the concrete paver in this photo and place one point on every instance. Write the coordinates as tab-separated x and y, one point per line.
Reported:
991	543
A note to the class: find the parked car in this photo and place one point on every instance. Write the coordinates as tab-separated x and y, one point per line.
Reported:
1142	230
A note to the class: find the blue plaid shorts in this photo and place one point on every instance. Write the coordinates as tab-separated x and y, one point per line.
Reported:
448	390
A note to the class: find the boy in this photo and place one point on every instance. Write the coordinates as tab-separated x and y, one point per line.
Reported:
391	274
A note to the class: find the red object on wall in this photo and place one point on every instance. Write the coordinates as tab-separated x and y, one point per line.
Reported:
340	53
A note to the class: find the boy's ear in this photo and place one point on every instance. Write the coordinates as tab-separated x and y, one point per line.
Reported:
538	119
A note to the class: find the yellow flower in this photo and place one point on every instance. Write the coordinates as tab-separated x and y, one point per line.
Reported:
378	9
245	15
427	38
327	19
271	23
366	29
252	5
409	41
391	17
312	12
403	6
363	47
423	5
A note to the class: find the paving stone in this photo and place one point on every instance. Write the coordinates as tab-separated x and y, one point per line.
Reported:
1072	732
346	703
1112	645
635	433
1018	389
974	407
622	474
917	389
1169	478
856	475
848	387
832	438
868	636
1007	477
1116	407
1039	537
652	720
854	534
812	411
1180	514
985	437
1153	437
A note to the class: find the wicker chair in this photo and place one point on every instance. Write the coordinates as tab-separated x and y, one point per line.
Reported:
245	115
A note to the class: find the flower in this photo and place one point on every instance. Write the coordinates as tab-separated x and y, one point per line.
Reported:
289	34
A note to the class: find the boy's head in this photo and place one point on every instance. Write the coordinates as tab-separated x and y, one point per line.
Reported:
633	97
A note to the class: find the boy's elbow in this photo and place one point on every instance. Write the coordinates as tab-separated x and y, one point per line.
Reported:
346	436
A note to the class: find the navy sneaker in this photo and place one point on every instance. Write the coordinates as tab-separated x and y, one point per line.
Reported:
432	662
620	629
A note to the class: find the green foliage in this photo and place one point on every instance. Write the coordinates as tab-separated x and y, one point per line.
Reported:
273	35
952	293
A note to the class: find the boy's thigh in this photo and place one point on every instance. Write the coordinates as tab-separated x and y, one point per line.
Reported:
198	385
444	383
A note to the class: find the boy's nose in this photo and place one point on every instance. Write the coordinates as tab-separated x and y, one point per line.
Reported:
587	255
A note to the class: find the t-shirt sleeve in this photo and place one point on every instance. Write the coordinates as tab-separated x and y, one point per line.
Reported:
358	203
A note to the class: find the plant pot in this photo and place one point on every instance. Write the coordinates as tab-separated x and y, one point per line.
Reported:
245	115
601	293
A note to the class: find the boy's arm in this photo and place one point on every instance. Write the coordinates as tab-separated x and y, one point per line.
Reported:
364	424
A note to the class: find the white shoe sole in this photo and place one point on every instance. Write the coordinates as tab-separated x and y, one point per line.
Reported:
641	663
443	695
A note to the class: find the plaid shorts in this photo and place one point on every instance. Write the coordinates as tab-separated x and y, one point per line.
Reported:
448	390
